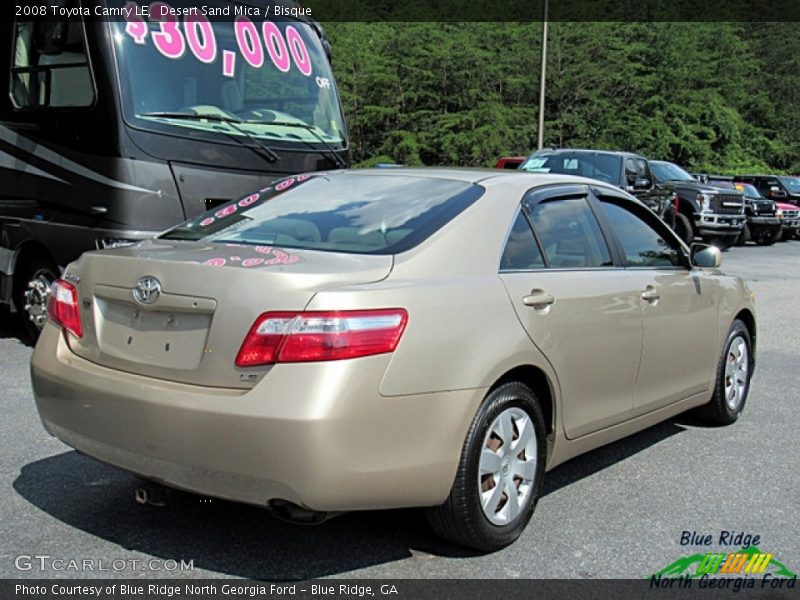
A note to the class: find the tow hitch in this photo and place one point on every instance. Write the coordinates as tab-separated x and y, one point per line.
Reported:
153	494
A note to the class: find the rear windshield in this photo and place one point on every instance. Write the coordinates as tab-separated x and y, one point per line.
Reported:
605	167
384	214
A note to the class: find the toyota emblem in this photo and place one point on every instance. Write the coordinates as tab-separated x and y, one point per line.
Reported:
147	290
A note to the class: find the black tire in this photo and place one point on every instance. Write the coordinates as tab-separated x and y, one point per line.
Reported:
35	267
461	519
684	228
767	238
745	236
786	235
718	410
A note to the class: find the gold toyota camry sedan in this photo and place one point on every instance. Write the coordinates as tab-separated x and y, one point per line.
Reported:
392	338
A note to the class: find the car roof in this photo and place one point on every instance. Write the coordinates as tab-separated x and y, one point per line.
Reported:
469	175
592	151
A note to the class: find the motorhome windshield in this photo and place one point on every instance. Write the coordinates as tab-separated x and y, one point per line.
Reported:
272	78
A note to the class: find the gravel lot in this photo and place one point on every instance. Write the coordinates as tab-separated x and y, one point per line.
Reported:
616	512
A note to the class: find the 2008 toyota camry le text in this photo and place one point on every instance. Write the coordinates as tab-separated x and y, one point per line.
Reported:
392	338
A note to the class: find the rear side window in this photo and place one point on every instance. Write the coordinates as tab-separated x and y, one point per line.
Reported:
521	252
642	245
50	66
358	214
570	235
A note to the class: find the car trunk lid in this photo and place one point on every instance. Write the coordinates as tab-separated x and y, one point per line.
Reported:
179	310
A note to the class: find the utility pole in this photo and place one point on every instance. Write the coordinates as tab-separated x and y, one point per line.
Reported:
544	79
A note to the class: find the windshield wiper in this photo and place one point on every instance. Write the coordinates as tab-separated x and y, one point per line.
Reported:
331	154
272	156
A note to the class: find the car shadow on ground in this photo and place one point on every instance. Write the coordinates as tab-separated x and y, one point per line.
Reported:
245	541
11	328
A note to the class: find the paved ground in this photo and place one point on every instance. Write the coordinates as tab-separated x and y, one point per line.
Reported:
616	512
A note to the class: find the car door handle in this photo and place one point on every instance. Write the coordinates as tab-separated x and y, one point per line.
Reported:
650	294
538	299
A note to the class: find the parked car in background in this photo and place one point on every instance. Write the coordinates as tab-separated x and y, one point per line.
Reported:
627	171
397	338
716	215
108	138
790	220
781	188
763	224
509	162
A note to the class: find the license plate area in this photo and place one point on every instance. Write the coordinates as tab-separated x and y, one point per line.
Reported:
165	338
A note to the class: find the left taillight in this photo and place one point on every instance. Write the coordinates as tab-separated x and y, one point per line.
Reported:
63	308
283	337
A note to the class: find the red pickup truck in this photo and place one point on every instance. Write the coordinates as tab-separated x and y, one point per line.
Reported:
790	220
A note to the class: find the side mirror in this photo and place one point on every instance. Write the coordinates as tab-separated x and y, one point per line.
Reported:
706	257
641	184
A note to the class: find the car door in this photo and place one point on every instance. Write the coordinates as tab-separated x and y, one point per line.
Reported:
679	305
580	308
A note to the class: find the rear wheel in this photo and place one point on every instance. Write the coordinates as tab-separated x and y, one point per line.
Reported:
684	228
733	377
32	280
499	474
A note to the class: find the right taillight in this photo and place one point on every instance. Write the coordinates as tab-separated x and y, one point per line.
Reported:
63	308
320	336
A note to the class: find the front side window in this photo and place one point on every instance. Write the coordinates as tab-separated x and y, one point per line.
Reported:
251	76
642	245
50	66
570	235
348	213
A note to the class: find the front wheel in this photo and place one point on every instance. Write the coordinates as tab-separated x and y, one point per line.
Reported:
734	371
768	238
499	474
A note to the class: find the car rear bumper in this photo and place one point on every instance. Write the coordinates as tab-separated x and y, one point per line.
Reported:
315	434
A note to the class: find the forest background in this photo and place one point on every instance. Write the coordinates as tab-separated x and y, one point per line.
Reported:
713	97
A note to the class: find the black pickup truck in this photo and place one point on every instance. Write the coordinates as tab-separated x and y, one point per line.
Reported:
626	170
763	225
717	215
